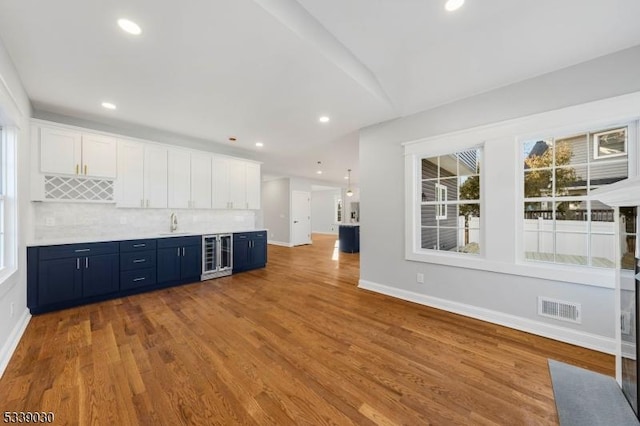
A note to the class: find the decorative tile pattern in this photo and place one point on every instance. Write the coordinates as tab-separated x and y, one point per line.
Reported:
78	189
55	220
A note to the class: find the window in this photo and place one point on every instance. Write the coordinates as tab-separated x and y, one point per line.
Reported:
561	224
338	210
450	202
612	143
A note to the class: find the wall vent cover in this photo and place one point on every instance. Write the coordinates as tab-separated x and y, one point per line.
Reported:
560	310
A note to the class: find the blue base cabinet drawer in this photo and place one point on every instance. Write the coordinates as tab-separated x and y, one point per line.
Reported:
138	260
137	245
137	278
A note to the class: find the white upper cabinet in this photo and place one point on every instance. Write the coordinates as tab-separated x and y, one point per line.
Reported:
220	183
142	175
155	176
236	184
99	156
71	152
60	151
253	186
201	181
179	182
130	184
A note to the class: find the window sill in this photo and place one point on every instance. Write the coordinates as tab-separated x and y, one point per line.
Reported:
597	277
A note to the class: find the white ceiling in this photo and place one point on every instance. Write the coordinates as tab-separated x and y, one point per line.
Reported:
267	69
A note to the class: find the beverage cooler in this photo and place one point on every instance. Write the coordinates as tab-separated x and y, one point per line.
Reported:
217	256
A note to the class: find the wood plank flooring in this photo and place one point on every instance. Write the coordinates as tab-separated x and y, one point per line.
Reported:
294	343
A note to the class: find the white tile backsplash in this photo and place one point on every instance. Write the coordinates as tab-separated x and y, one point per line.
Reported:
86	220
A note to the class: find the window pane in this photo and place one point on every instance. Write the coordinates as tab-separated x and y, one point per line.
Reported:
610	143
537	183
538	246
603	249
429	238
604	173
448	166
428	215
469	162
448	238
538	154
469	215
451	185
571	181
628	237
571	217
429	190
602	217
429	168
469	187
469	240
571	150
572	248
534	210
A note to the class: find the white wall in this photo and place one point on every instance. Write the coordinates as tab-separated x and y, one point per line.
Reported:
15	110
502	298
323	211
276	210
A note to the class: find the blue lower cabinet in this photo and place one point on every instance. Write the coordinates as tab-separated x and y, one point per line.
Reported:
249	251
169	264
67	275
179	259
100	275
70	274
60	281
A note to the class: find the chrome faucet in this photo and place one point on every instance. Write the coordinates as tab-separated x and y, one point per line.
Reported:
174	222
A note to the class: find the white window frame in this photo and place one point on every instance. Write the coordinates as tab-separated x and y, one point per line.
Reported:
596	145
8	204
508	259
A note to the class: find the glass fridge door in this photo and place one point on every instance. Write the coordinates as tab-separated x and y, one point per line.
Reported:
226	252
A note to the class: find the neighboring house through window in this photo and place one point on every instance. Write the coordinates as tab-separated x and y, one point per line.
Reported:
450	202
561	223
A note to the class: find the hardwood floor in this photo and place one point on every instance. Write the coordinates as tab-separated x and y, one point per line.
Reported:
294	343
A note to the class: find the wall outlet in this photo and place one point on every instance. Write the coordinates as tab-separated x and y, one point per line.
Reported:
420	278
50	221
11	309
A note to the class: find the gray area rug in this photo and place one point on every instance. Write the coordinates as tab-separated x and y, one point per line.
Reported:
586	398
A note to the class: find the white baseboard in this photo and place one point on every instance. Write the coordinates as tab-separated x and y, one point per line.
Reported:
12	342
279	243
574	337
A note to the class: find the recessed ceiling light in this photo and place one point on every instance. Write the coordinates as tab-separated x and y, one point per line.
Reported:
232	139
319	172
108	105
324	119
259	144
129	26
346	177
452	5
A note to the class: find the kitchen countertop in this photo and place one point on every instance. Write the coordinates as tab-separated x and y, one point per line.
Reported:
125	237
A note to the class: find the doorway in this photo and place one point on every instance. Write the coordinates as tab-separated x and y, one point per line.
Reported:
300	218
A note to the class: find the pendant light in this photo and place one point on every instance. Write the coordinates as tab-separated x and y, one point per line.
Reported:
349	191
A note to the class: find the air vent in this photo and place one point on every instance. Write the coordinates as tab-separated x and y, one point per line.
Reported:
564	311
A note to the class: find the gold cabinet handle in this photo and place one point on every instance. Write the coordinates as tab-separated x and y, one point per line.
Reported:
77	168
85	169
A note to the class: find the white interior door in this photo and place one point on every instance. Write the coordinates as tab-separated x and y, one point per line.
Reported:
301	218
